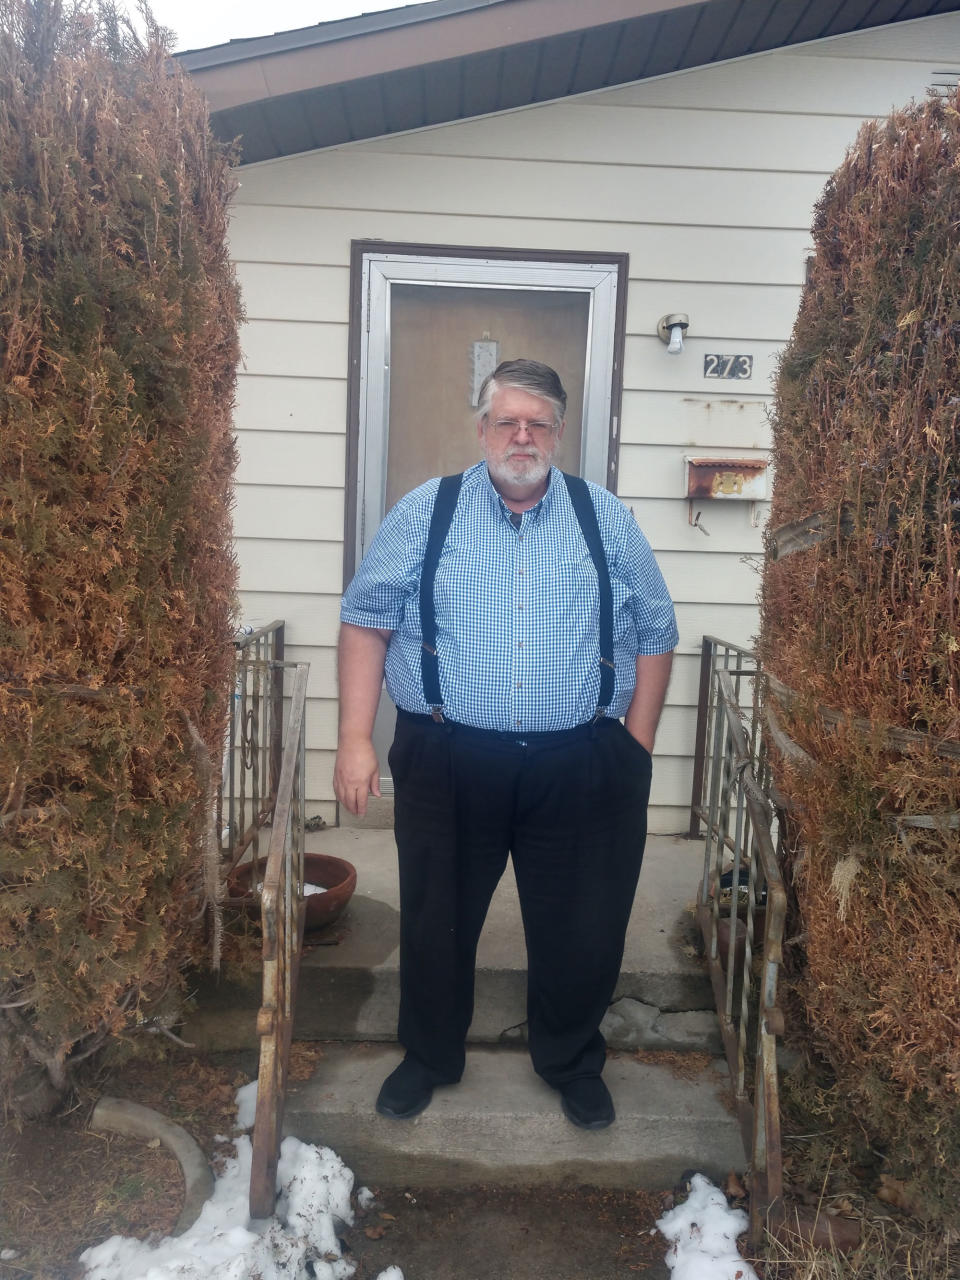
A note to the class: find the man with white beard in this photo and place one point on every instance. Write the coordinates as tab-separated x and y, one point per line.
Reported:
518	613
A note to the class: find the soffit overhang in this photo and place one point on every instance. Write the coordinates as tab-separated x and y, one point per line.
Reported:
435	63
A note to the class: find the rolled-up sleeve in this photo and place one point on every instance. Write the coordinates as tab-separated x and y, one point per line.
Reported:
389	574
653	613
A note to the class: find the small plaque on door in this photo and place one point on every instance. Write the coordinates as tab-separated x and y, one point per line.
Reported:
736	367
485	356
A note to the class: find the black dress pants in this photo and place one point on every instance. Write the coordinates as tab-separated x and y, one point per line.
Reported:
571	808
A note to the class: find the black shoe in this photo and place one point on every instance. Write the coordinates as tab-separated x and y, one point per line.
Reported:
587	1103
405	1092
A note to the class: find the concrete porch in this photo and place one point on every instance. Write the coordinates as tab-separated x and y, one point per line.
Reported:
502	1124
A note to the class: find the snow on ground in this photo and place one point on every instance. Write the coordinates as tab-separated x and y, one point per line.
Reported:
225	1244
301	1242
703	1234
247	1105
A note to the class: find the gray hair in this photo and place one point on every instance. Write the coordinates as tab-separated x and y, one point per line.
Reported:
526	375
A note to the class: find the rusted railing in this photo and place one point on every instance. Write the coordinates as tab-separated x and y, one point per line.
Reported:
741	904
251	762
282	917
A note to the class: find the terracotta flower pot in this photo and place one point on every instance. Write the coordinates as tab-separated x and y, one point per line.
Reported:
336	876
723	942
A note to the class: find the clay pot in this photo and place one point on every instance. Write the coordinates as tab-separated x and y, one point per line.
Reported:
337	876
723	941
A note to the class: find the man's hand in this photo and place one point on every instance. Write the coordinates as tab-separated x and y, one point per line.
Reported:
643	714
356	775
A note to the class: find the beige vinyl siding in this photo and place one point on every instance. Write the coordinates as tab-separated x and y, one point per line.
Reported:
736	255
291	459
305	403
707	179
305	613
457	186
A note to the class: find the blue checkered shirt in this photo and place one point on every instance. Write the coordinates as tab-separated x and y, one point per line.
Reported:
517	609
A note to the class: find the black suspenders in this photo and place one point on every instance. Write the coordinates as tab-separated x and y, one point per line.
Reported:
443	509
587	516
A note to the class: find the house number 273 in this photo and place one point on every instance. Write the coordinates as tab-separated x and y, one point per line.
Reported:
728	366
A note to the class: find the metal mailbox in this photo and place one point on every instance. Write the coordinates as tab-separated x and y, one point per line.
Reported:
725	479
737	479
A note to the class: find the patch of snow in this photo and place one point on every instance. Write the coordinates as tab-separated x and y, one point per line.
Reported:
703	1233
300	1241
226	1244
247	1105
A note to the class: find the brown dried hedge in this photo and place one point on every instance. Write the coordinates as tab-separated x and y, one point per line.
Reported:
118	348
863	629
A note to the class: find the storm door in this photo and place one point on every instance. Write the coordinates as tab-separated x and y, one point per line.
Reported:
430	329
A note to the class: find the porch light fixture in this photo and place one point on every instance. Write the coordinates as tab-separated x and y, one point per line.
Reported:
671	328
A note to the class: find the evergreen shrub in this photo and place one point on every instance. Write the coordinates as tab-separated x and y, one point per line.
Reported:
861	634
118	348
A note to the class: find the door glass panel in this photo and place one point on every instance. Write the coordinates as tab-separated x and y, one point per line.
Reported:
438	337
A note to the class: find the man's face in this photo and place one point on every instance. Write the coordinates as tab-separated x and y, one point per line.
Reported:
519	438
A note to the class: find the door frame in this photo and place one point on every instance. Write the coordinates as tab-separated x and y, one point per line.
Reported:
615	263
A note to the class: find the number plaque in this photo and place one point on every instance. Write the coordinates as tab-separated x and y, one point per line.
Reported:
737	367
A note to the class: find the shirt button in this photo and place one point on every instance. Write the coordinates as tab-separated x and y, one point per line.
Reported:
518	722
519	684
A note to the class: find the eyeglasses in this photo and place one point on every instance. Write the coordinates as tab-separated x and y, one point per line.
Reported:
506	427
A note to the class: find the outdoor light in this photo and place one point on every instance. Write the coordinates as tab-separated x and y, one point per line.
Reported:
671	328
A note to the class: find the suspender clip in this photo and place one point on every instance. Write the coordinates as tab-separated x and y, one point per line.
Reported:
437	713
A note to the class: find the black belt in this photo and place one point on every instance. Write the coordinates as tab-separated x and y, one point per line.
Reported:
511	737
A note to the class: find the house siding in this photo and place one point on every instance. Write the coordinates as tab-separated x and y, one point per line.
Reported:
705	178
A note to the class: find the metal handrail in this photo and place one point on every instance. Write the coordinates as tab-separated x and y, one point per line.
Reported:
742	835
253	751
282	915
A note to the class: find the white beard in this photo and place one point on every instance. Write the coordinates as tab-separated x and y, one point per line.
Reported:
519	470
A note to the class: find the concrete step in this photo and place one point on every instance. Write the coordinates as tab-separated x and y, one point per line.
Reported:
503	1126
349	979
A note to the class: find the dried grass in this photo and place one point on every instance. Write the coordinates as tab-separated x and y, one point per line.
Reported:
889	1250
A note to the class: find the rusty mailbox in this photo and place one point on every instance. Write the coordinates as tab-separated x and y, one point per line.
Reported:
726	479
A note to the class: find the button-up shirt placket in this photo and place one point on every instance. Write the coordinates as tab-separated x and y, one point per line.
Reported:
521	614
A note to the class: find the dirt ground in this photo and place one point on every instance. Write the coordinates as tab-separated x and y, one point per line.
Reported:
63	1188
489	1233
